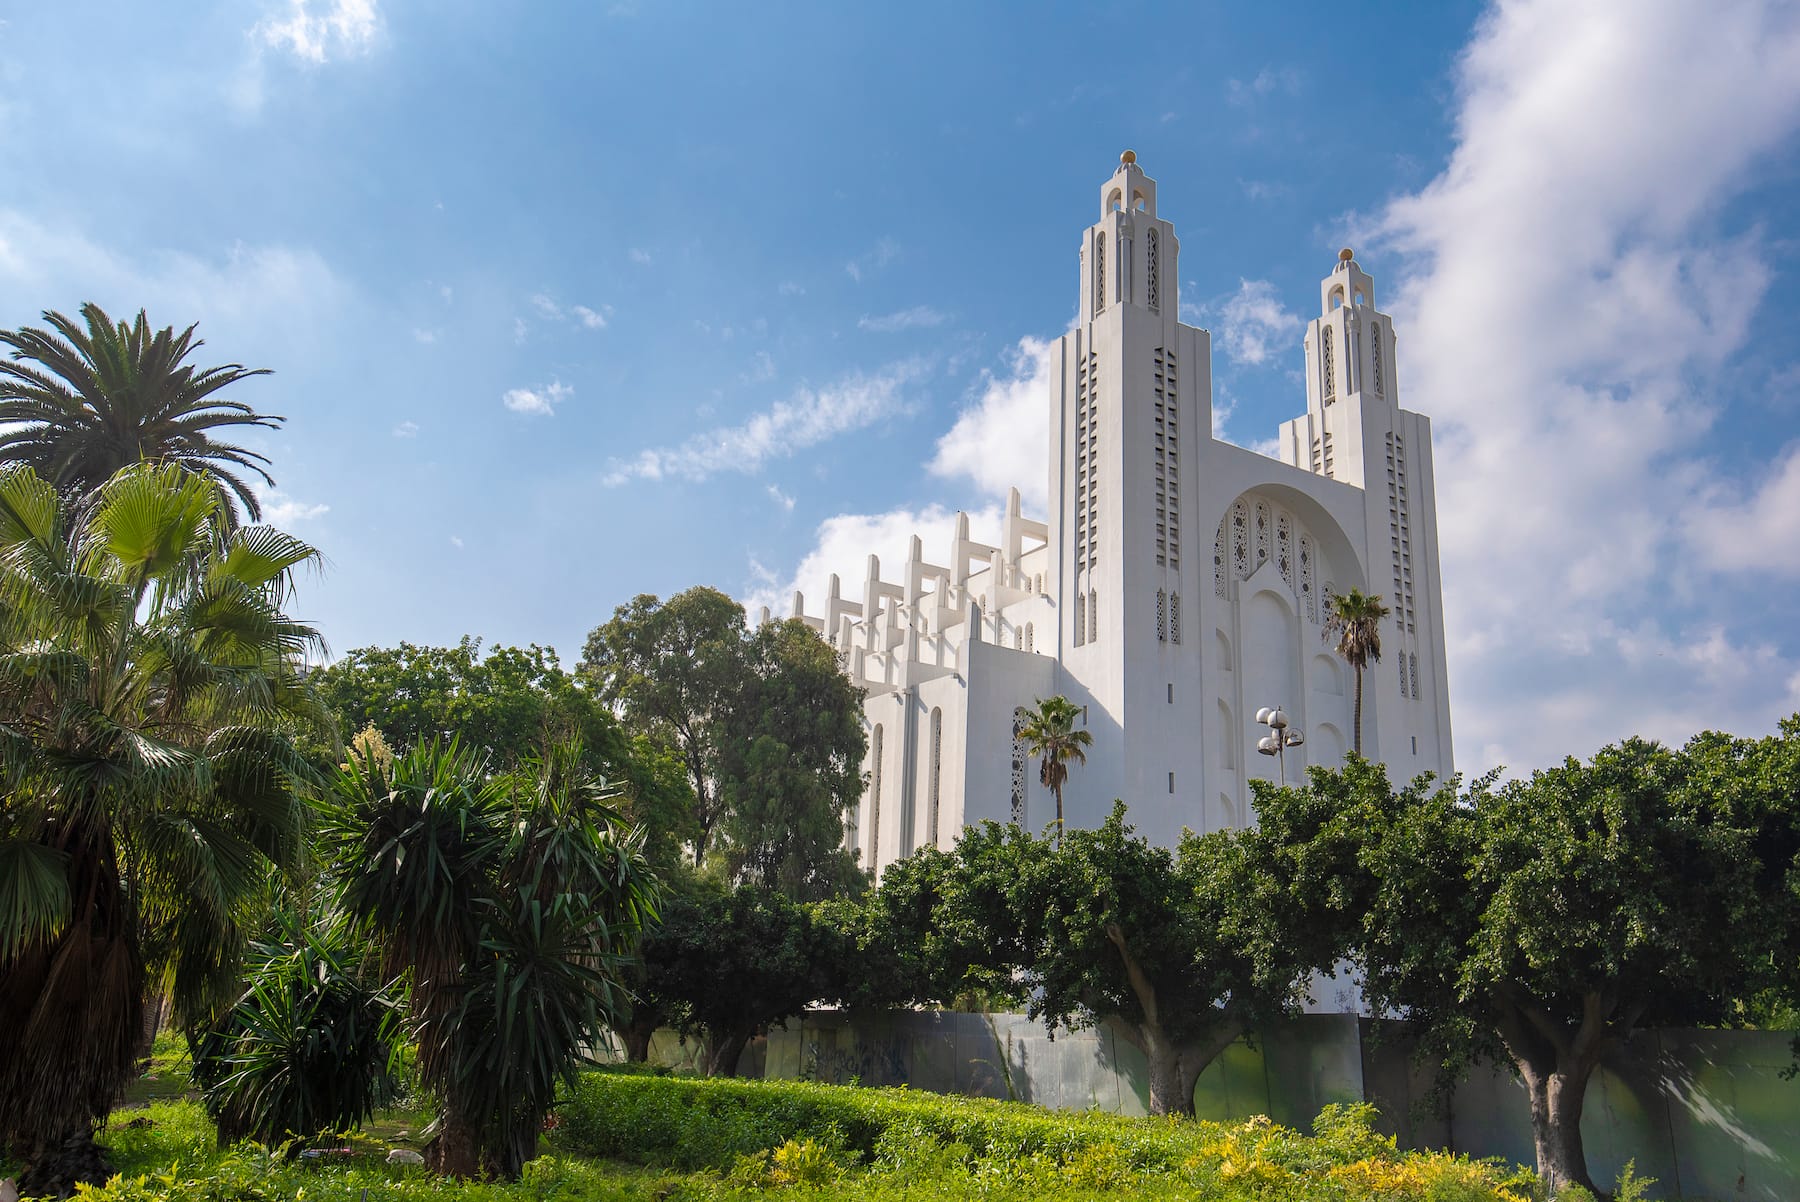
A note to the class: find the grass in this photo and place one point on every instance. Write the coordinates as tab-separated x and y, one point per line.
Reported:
644	1138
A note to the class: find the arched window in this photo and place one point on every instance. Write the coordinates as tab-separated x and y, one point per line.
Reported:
937	769
1030	638
1018	638
1099	273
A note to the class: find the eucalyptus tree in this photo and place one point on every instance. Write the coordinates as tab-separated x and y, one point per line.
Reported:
1354	620
150	687
86	399
1050	735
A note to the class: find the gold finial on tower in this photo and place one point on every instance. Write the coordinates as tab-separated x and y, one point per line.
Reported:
1128	158
1345	255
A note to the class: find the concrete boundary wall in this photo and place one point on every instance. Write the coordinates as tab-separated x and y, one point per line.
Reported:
1707	1113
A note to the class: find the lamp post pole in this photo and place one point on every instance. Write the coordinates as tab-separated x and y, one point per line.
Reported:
1281	736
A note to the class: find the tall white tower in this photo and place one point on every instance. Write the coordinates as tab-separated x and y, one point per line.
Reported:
1355	431
1129	415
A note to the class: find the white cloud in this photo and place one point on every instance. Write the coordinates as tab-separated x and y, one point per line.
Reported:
1252	321
406	430
640	256
780	498
1564	320
591	318
761	369
456	540
539	402
1002	439
520	330
1240	93
316	32
806	419
790	288
1756	531
546	307
279	509
919	317
885	251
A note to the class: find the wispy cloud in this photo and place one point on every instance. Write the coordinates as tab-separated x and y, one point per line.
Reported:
549	309
1242	93
885	251
781	498
538	402
806	419
919	317
406	430
279	509
1251	322
591	318
640	256
315	32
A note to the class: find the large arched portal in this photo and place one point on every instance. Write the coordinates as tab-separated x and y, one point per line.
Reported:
1277	557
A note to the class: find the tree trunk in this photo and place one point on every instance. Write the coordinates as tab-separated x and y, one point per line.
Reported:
155	1007
55	1171
1556	1102
456	1152
1059	820
636	1038
1356	721
723	1050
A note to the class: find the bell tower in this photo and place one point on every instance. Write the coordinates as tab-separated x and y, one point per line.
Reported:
1129	416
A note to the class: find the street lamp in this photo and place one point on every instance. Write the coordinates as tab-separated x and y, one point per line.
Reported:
1280	737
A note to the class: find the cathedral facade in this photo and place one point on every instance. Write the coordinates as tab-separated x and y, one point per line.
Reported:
1178	586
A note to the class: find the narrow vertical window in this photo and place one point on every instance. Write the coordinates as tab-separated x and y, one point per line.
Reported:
1175	618
1413	660
1325	357
1020	717
1150	281
1093	615
1080	619
937	769
1030	638
875	797
1375	356
1099	273
1162	615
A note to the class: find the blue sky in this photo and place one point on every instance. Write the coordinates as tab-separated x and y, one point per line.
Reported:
568	302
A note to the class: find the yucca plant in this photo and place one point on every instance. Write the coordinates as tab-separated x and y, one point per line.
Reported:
150	685
314	1043
511	902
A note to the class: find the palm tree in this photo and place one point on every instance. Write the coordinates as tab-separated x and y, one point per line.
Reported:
84	403
1049	733
512	901
1354	619
149	689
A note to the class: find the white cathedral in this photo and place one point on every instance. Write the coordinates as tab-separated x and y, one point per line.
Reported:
1178	587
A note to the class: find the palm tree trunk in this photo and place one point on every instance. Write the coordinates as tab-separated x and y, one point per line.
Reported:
1059	818
1357	725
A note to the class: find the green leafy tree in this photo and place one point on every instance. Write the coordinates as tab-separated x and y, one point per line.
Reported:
1051	737
512	900
726	964
1354	620
675	668
791	766
1540	922
1177	949
767	726
513	702
150	684
87	399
